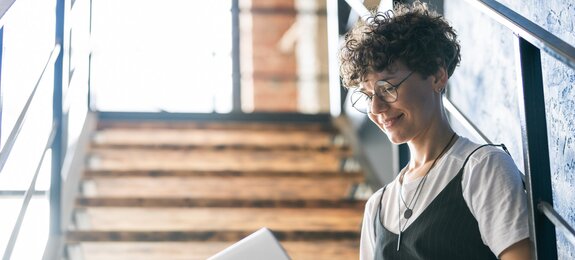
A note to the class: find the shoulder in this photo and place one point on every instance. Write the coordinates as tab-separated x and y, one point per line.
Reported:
477	154
378	199
374	199
490	153
467	148
490	159
485	164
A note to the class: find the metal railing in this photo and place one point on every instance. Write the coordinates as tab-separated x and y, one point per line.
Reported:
52	143
11	140
28	196
531	38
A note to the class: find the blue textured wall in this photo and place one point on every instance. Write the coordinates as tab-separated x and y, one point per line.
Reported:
484	87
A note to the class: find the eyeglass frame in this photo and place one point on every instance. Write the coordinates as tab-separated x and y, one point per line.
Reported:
393	87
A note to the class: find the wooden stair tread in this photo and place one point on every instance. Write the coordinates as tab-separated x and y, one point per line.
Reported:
219	219
218	203
211	137
142	159
92	173
187	190
221	187
205	235
318	250
228	125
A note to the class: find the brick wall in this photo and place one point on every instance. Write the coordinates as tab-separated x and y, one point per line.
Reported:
274	71
270	71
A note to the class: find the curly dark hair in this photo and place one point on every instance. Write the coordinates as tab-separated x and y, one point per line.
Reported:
412	34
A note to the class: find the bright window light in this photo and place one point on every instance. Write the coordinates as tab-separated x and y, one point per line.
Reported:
172	56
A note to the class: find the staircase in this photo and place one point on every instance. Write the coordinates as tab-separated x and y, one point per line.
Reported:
186	190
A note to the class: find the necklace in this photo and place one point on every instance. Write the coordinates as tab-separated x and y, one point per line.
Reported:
409	206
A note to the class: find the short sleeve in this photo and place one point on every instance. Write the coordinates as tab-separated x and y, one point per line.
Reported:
367	240
493	190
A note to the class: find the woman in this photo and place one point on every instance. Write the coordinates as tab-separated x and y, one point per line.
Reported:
455	199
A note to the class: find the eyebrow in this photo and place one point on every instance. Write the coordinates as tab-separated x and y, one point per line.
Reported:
379	79
388	78
387	82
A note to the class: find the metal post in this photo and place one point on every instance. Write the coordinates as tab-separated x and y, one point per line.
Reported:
91	107
236	72
56	177
1	93
336	96
531	102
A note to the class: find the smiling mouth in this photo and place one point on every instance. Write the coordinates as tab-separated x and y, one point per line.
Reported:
387	123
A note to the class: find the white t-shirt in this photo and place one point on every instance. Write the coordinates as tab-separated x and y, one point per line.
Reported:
492	189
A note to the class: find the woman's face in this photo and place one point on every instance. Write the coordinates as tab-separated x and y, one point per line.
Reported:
417	108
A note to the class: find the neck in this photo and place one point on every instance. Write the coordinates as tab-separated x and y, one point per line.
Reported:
428	149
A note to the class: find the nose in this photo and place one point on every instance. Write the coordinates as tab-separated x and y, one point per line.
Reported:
378	106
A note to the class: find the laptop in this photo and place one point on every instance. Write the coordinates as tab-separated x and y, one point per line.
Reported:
261	244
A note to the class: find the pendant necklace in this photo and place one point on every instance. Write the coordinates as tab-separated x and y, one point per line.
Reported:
411	205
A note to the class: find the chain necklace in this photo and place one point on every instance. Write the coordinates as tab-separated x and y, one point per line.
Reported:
409	207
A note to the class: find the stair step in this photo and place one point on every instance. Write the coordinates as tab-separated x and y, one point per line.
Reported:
319	250
206	235
92	173
215	139
228	125
210	202
241	147
144	159
220	187
187	190
229	224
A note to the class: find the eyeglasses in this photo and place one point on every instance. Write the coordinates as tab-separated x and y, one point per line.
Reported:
383	89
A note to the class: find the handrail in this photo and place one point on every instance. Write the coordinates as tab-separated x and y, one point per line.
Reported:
559	222
529	31
461	118
5	6
553	46
5	153
28	196
359	8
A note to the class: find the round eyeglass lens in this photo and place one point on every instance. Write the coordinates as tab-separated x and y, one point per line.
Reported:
360	101
386	91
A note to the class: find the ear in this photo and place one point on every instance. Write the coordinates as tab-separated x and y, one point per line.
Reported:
440	80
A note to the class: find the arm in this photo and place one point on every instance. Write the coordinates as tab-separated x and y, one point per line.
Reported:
499	203
518	251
